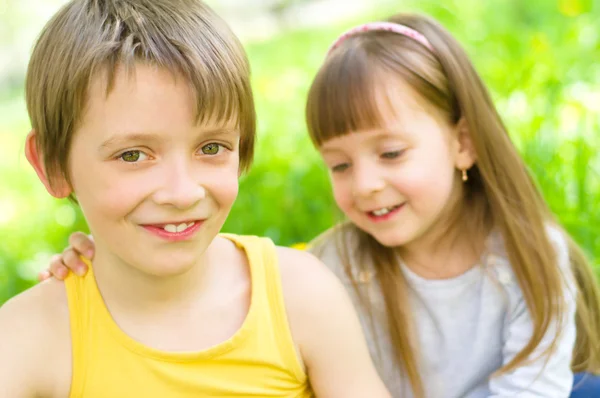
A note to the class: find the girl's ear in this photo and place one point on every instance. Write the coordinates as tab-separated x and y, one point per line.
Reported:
59	187
465	156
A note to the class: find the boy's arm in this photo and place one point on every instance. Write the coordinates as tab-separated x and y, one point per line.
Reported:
33	363
326	330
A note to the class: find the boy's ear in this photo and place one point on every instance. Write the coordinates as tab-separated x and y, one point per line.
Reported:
465	156
59	188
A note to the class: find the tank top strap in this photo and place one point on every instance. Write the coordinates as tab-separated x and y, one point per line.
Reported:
266	278
80	300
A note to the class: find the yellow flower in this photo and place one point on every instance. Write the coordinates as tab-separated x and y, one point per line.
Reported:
299	246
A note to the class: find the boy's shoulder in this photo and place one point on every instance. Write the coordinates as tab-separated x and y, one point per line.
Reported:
329	242
312	293
325	327
339	248
41	304
302	272
35	341
37	312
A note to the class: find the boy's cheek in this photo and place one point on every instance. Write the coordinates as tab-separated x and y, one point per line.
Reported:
227	192
112	200
223	183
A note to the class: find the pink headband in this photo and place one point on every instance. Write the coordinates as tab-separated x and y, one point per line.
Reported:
385	26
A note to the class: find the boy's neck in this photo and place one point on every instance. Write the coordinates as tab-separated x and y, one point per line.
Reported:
171	314
130	290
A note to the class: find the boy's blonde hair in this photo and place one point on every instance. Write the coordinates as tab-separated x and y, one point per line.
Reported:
500	192
86	37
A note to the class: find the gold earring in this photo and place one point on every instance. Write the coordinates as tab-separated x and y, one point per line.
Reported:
465	177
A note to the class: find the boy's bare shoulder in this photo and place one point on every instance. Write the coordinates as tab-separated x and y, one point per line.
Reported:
302	273
326	329
35	341
309	286
41	305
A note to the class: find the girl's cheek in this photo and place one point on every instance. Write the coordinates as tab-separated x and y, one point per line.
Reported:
342	196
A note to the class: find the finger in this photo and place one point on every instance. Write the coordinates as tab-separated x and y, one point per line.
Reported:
82	244
71	260
57	268
43	275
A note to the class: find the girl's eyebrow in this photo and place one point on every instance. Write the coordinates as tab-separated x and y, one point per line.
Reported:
325	150
374	135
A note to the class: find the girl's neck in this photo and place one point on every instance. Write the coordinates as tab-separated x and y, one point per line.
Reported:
448	250
442	261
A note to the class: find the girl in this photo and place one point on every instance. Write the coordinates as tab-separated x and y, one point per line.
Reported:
465	283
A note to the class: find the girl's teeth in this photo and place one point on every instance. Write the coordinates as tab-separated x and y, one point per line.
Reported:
172	228
384	211
381	212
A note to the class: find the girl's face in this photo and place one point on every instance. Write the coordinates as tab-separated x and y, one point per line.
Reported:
399	181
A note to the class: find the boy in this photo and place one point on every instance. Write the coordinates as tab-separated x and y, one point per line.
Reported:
142	110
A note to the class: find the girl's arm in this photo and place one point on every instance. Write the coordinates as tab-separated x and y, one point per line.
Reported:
80	244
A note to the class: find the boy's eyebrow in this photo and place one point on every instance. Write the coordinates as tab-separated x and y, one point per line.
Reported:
216	131
119	140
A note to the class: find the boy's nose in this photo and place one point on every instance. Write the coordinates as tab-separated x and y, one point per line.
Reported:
181	187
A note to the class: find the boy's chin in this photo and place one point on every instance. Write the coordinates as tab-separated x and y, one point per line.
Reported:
167	267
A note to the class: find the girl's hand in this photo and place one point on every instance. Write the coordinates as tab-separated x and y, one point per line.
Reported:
80	244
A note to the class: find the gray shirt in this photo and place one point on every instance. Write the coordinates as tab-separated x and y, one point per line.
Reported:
467	327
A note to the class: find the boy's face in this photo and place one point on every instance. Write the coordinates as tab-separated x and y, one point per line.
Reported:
155	186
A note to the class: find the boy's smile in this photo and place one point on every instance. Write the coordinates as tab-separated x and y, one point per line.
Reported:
153	183
175	231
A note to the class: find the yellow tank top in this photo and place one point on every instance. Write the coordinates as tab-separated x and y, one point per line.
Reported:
258	361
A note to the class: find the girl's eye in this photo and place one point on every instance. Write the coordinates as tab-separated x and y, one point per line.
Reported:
133	156
392	155
211	149
338	168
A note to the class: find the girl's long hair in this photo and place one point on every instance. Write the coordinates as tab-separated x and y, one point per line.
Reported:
499	192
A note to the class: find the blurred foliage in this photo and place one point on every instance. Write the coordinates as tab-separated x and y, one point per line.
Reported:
540	59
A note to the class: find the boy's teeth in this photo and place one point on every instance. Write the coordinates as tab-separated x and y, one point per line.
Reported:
182	227
172	228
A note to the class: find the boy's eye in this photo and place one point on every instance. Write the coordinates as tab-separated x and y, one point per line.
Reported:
392	154
133	156
211	149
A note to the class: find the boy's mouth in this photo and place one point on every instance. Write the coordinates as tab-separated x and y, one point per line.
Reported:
179	230
173	228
